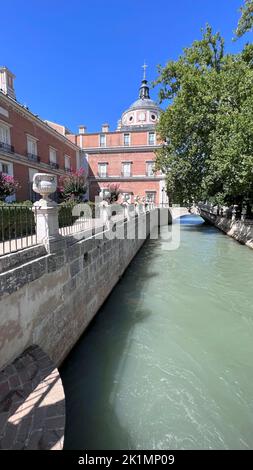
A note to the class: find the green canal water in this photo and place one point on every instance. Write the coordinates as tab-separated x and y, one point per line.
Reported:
168	361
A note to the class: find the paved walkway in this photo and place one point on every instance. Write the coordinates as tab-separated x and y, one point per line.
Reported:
32	405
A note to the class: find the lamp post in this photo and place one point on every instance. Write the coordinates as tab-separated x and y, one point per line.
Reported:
162	195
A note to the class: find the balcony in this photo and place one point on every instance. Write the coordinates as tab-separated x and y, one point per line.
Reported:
126	174
7	147
102	175
54	165
67	169
33	157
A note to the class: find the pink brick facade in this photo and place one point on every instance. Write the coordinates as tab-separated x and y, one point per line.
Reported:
139	154
29	145
126	156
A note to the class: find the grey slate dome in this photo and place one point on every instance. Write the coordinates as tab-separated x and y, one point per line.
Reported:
144	103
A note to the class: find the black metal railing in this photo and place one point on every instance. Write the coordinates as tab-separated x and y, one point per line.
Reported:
7	147
33	157
68	170
17	227
71	222
54	165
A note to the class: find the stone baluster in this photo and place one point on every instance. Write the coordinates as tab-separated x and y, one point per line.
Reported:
243	213
234	213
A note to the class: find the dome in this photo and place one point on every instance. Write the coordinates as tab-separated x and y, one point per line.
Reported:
143	103
143	113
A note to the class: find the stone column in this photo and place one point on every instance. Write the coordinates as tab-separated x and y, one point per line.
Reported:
46	213
234	214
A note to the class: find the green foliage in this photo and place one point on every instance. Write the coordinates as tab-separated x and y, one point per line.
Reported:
208	124
245	22
66	217
16	220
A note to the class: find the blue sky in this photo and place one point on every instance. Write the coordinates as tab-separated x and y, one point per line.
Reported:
79	62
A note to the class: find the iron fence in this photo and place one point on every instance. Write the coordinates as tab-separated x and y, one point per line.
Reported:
17	228
69	223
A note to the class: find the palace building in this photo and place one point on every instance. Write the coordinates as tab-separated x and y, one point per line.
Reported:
28	144
126	156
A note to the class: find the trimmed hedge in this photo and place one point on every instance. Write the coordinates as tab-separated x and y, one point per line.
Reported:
17	219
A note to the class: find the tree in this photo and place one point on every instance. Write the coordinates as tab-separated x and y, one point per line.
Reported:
208	125
191	85
245	22
73	186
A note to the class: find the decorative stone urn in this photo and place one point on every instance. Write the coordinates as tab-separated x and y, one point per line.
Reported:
44	184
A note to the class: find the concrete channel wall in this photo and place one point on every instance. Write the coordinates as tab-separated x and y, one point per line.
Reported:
49	299
240	230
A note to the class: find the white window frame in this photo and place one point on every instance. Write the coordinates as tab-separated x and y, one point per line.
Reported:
10	167
52	149
104	165
67	159
5	127
123	165
32	141
148	163
151	192
154	134
102	144
129	139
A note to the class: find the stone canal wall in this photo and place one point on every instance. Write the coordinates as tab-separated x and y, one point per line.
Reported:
49	299
242	231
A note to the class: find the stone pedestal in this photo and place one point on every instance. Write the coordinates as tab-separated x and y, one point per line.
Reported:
47	225
46	213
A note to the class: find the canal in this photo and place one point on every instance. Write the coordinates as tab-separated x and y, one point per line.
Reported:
167	363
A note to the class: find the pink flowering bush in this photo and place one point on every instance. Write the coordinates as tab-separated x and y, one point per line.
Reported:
8	186
74	185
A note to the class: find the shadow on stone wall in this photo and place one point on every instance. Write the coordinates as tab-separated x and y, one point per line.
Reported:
32	405
96	365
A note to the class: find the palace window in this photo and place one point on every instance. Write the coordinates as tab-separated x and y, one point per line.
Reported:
67	163
151	138
102	170
5	134
52	155
53	158
126	169
150	168
126	139
32	146
150	196
102	140
4	168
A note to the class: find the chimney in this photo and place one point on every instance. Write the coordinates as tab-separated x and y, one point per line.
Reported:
82	129
105	127
7	82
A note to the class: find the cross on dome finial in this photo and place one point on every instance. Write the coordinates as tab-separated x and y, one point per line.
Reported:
144	66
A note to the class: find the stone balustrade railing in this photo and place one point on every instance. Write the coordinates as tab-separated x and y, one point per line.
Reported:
232	212
47	220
